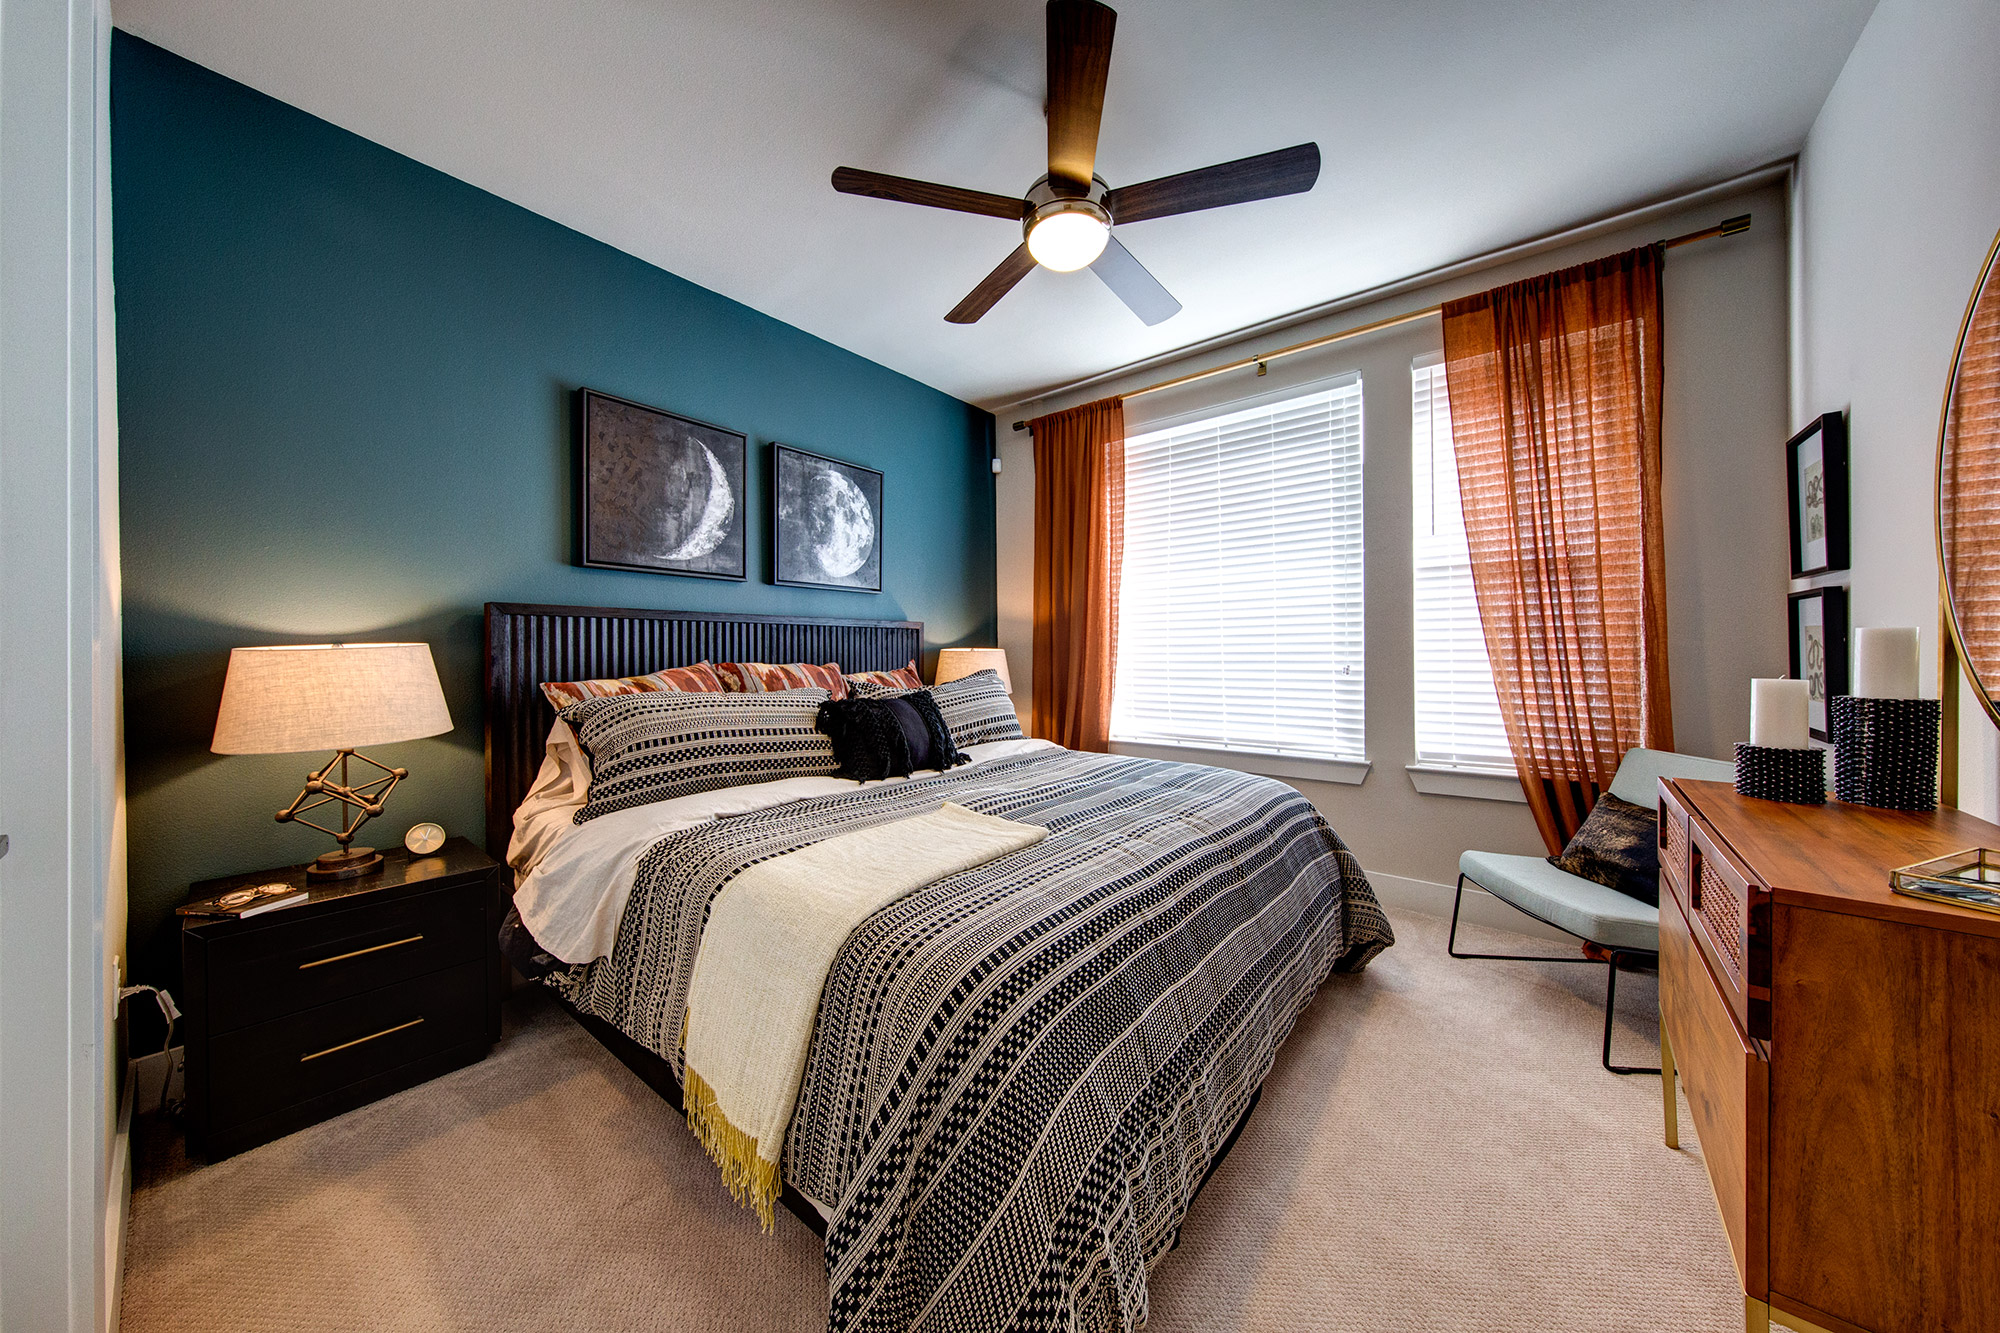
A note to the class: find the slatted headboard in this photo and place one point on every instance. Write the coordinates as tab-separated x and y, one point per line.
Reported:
526	645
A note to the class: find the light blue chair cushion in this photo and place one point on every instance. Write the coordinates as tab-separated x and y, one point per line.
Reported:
1580	906
1604	916
1640	771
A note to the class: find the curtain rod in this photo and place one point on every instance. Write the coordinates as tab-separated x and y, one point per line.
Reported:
1727	227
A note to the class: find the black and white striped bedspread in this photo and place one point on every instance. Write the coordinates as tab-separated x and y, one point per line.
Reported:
1020	1073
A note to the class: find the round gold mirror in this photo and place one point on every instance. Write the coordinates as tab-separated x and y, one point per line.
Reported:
1969	489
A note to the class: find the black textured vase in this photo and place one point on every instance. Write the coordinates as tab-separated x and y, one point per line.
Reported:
1798	776
1885	751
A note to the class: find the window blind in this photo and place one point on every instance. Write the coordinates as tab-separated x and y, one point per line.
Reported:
1240	611
1458	713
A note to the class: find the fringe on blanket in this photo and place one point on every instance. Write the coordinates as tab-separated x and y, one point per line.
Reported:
751	1179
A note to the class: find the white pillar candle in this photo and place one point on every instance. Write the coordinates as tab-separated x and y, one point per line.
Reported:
1885	663
1778	714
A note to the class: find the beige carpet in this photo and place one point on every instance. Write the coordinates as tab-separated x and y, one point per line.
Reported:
1437	1149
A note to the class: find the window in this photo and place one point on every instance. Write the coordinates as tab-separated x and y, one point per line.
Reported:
1458	715
1240	610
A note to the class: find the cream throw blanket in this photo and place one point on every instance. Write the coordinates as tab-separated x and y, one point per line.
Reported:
771	938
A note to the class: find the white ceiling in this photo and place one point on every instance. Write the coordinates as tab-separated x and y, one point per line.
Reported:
699	135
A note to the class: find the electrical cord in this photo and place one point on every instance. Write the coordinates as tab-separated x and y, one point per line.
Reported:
169	1011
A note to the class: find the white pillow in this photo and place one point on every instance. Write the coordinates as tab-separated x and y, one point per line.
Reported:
560	789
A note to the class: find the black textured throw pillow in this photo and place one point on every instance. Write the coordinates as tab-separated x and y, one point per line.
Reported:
1618	847
887	738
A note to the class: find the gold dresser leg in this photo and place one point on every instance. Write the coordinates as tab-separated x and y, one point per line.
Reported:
1756	1316
1668	1107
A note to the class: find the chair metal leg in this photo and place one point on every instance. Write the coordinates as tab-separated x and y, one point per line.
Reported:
1610	1004
1610	987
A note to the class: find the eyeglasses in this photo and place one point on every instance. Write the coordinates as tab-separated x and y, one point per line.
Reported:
253	893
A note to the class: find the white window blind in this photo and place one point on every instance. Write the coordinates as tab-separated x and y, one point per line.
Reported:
1458	714
1240	615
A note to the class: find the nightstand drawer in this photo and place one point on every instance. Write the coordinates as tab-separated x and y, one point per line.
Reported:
257	1070
290	966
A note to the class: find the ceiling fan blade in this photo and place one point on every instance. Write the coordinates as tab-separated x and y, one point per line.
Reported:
852	180
1133	285
1266	176
1079	63
993	286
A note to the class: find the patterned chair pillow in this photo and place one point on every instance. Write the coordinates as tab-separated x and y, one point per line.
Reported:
770	677
902	678
1616	846
653	747
697	679
976	708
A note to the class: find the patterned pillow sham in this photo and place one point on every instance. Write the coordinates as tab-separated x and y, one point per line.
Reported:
653	747
770	677
697	679
1618	847
976	708
902	678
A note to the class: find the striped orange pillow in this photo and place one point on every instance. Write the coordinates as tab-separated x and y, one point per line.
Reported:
902	678
697	679
768	677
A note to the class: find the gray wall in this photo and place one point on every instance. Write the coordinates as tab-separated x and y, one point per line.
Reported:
1899	198
1724	425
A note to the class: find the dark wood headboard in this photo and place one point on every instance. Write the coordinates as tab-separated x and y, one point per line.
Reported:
526	645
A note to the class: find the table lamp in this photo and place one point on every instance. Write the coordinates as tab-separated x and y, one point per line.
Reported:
339	697
957	663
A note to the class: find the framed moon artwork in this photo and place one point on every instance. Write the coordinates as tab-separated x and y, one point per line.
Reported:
826	522
658	492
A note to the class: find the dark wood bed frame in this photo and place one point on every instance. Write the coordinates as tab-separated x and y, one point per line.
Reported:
527	644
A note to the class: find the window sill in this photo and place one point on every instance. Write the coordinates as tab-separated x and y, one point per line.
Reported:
1352	772
1479	784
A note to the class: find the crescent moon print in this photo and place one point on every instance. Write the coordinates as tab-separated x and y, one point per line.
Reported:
660	492
827	522
713	524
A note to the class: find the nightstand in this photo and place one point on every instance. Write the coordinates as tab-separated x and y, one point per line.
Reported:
372	986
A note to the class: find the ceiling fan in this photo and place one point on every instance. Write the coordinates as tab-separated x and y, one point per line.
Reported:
1067	216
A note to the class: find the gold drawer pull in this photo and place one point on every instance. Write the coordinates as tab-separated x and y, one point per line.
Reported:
358	1040
356	953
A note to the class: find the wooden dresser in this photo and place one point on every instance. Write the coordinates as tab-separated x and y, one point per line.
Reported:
1840	1048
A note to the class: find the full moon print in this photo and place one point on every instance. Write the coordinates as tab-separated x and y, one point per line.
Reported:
827	524
660	492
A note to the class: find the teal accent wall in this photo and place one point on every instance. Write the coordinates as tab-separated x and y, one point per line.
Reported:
344	397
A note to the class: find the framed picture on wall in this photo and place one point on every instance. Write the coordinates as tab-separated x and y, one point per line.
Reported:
1816	459
1819	650
826	522
658	492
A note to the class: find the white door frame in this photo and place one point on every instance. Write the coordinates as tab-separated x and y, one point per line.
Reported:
59	650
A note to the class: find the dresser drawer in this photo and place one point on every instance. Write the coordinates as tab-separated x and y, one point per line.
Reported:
1723	904
1727	1082
1675	844
256	1070
291	966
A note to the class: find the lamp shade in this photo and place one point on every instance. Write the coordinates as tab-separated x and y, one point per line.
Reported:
328	696
957	663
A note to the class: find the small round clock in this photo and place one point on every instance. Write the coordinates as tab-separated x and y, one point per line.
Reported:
423	839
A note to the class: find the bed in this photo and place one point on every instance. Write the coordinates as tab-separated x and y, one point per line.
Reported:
1019	1076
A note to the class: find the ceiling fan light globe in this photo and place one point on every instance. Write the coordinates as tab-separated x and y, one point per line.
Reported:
1068	235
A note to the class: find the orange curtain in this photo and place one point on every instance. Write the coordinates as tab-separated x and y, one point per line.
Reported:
1554	385
1079	549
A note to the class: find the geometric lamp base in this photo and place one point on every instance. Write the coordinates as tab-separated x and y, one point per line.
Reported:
350	864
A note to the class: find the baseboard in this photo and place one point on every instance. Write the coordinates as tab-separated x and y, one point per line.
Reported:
1479	907
157	1080
117	1207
